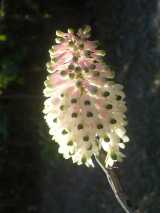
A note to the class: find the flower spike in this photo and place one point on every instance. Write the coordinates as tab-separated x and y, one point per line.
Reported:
85	108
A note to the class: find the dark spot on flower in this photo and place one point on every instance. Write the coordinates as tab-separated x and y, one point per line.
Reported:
89	114
75	58
87	53
106	94
86	69
81	46
79	75
62	95
70	143
71	43
106	139
77	69
86	138
94	89
87	102
71	67
74	115
96	73
54	59
71	75
55	120
113	121
78	83
63	73
109	106
92	66
99	126
62	107
64	132
73	100
118	97
80	126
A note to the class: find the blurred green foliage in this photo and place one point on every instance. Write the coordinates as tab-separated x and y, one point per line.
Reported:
5	79
10	71
3	125
3	37
2	13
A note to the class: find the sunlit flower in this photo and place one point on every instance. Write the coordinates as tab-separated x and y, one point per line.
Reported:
84	108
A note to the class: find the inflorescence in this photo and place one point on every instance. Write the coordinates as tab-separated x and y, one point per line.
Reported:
85	107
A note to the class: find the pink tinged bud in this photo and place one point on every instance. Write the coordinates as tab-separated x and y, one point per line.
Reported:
84	108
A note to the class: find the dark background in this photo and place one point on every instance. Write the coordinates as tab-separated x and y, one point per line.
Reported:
33	176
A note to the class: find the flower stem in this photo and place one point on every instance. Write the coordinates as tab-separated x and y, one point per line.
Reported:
117	188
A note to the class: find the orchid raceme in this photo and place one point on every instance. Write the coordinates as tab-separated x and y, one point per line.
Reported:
84	108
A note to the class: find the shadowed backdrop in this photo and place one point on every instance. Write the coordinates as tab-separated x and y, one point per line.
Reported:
34	178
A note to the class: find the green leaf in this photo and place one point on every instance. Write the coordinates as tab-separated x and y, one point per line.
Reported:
3	37
2	13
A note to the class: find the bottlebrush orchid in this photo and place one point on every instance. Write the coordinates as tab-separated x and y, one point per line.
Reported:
84	107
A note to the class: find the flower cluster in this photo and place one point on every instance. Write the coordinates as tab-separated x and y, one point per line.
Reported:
84	108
